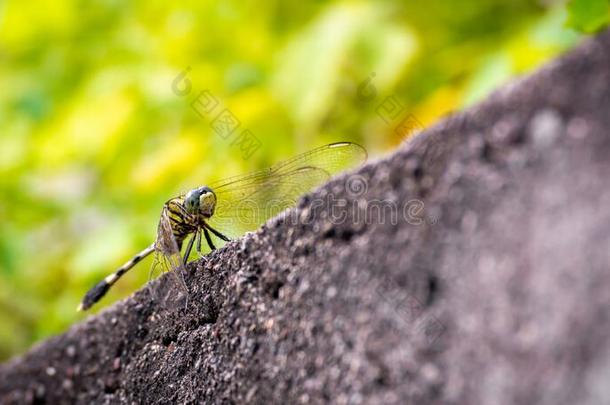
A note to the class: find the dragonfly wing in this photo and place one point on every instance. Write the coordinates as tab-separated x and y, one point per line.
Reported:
245	202
331	158
172	290
245	208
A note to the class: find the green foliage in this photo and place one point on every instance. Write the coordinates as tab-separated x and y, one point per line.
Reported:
94	137
588	15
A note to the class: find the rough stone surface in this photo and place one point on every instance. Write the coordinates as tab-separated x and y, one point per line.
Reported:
490	287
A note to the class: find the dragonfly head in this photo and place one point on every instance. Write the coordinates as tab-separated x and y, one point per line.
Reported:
200	201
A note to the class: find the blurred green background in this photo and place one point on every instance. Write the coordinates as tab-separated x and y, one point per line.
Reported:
97	130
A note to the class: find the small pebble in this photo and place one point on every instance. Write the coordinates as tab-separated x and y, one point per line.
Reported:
67	385
545	128
578	128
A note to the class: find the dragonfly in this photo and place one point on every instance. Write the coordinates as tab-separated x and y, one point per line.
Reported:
228	208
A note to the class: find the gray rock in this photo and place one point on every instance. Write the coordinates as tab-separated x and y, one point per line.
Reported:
491	287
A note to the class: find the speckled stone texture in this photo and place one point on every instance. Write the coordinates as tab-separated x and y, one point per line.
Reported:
491	285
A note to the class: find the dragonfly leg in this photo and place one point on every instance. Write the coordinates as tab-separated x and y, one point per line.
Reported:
208	239
199	232
215	232
189	247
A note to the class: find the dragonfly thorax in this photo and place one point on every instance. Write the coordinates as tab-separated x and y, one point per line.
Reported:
200	202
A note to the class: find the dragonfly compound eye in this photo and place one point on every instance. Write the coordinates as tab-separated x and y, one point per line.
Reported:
191	201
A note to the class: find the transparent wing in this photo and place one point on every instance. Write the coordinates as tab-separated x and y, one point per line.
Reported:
245	202
245	208
331	158
171	291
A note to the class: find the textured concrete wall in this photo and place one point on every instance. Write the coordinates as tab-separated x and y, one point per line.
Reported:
491	286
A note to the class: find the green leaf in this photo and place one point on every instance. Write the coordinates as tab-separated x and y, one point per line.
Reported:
588	15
